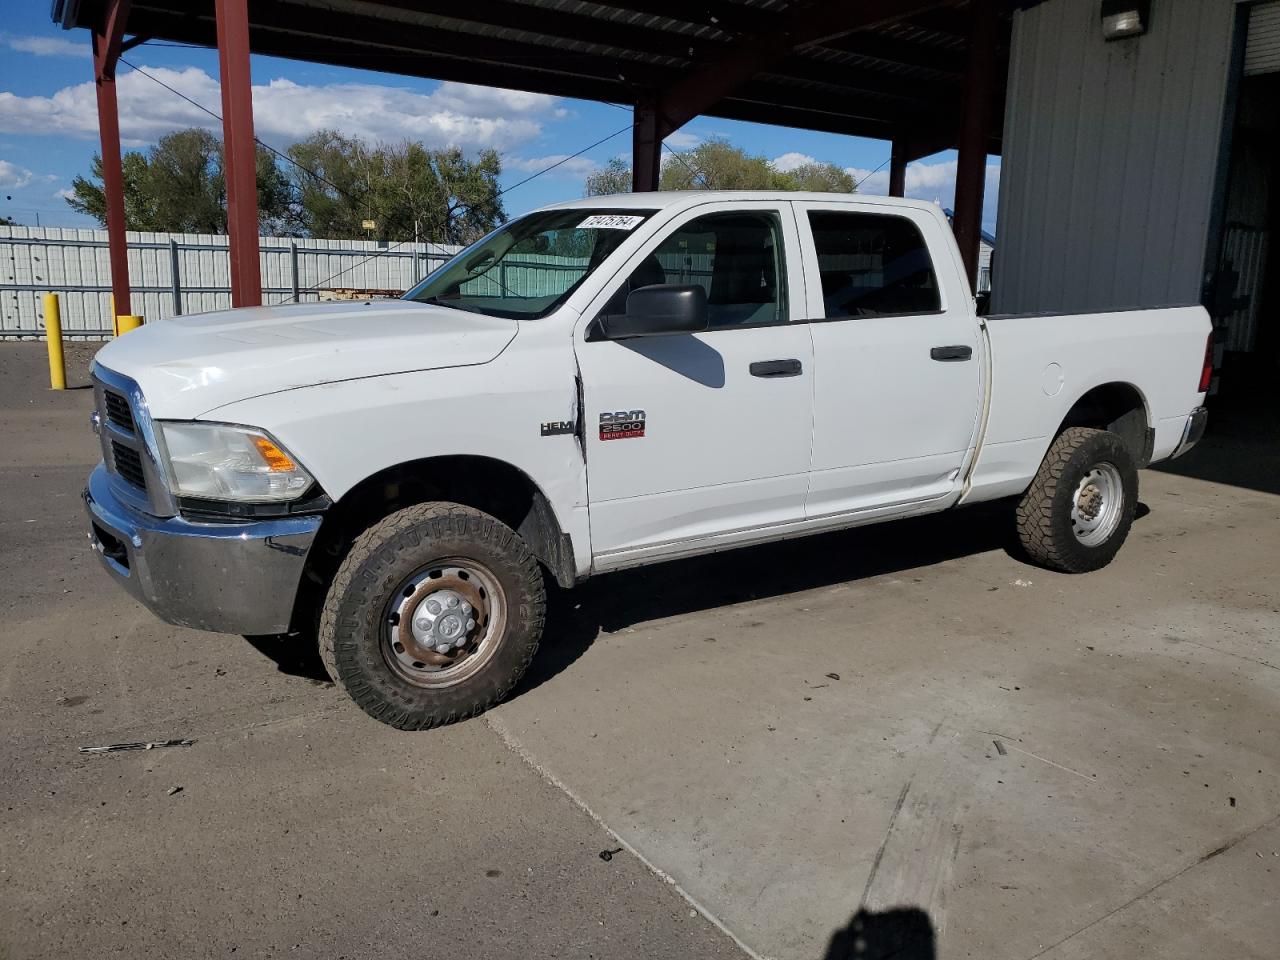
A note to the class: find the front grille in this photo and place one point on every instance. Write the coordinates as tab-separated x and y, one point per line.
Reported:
128	464
118	411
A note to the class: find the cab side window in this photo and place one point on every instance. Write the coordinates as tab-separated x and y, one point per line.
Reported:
736	257
872	265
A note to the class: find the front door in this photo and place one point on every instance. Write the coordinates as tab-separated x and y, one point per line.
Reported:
698	438
898	373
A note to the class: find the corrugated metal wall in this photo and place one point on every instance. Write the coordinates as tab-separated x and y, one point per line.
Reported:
1110	153
1262	53
74	264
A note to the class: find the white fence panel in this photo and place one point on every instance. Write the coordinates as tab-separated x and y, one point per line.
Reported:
75	263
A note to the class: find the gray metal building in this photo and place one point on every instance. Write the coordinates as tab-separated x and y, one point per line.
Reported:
1144	169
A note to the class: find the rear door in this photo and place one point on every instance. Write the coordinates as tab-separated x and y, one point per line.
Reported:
702	437
897	376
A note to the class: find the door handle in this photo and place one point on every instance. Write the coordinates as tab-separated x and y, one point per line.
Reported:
776	368
955	352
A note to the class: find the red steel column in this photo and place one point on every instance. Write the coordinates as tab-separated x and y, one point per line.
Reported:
898	169
971	166
240	153
646	146
106	50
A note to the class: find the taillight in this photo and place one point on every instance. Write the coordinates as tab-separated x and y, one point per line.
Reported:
1206	372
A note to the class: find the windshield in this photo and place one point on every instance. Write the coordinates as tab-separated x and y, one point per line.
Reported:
528	267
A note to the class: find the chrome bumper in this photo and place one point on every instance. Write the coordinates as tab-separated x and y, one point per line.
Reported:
226	577
1192	432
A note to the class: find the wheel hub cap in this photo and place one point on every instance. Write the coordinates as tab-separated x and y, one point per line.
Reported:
443	621
439	620
1097	505
1089	502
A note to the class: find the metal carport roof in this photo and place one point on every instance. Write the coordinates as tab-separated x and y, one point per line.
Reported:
925	74
877	69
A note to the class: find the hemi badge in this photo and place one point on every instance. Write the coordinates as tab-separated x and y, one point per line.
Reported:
554	428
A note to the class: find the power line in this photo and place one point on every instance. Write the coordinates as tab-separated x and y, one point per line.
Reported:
257	140
343	193
360	202
571	156
496	196
697	173
858	183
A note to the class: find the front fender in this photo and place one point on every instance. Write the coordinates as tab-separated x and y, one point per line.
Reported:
346	432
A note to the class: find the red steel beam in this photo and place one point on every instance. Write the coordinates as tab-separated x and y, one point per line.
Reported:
240	152
813	24
106	51
971	165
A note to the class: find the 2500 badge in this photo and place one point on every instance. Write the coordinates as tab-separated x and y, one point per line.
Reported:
622	425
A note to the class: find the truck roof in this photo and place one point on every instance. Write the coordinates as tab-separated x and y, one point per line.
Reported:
662	199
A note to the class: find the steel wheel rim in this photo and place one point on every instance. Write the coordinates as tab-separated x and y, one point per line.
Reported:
1097	504
412	627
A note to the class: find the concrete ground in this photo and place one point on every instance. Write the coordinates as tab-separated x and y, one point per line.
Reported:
899	741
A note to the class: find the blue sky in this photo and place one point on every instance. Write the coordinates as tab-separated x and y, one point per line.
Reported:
48	121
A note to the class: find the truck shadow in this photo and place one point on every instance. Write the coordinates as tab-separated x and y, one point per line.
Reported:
1241	447
294	654
901	933
615	601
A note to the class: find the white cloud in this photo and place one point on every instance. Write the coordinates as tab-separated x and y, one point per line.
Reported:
12	175
790	161
682	140
454	114
926	181
575	167
48	46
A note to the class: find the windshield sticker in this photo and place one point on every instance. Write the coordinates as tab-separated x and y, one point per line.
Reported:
610	221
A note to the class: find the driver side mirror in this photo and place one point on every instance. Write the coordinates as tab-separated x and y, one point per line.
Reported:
659	310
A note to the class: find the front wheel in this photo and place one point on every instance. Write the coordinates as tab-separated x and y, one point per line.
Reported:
433	616
1078	509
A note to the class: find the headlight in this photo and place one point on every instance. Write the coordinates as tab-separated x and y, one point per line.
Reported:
217	461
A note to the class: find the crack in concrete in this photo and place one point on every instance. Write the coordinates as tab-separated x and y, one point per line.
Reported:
511	743
1156	886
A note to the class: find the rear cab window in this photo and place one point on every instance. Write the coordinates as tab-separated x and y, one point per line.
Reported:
872	265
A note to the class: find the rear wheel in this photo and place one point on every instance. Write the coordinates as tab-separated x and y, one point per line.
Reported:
1078	510
433	616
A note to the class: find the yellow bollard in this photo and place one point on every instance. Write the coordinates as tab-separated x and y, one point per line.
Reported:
126	322
53	334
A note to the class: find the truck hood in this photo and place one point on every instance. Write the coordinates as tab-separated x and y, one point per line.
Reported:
191	365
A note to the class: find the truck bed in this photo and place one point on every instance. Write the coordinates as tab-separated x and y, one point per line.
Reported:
1041	364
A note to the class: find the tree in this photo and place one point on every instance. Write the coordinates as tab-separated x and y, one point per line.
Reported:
179	185
718	165
407	189
821	177
614	178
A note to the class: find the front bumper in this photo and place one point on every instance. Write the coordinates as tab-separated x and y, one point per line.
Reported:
226	577
1192	432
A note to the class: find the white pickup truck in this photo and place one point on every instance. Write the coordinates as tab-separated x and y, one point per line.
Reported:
597	385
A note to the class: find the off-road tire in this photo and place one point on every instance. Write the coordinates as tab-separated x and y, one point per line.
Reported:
1044	512
378	562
